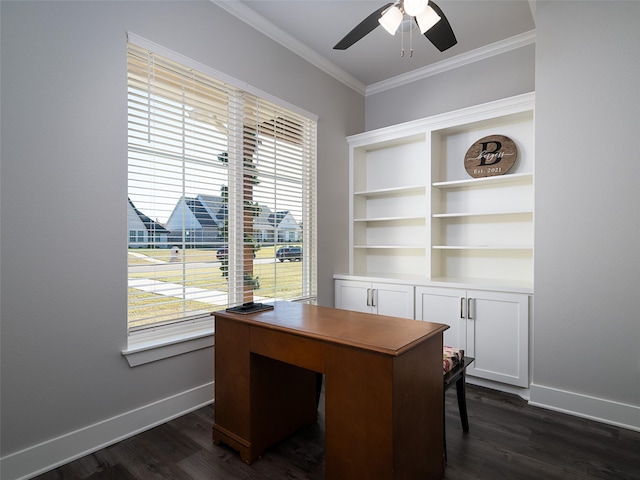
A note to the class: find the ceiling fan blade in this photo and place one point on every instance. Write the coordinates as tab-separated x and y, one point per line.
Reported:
363	28
441	34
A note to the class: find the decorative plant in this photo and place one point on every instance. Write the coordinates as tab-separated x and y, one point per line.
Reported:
250	209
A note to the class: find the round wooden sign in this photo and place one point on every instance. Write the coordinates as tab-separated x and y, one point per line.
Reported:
491	155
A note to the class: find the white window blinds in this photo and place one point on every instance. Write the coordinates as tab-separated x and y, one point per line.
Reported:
222	195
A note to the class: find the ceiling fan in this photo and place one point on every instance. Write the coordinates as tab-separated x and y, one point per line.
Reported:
429	17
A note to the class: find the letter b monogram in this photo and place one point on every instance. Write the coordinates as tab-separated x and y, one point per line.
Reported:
493	155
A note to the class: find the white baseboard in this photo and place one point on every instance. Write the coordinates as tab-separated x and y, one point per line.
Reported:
53	453
501	387
598	409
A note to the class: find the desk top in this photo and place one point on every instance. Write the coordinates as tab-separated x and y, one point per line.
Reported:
379	333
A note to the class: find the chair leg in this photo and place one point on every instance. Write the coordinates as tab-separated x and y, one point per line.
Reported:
462	403
319	380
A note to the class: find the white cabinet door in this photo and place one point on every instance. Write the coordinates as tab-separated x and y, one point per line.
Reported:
492	327
352	295
393	300
381	298
444	305
498	336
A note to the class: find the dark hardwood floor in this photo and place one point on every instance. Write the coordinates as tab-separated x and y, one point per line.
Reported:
508	439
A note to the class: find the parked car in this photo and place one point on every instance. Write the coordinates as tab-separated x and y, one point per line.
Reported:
292	253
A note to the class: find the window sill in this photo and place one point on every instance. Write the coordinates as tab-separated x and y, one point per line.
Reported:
151	346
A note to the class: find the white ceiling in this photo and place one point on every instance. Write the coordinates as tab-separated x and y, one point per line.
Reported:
312	27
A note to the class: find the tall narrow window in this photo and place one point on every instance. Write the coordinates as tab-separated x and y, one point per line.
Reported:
221	187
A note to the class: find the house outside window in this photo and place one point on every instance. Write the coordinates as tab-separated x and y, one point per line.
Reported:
219	179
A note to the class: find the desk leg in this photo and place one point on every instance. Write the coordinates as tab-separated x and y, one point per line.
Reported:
233	388
358	414
259	401
384	414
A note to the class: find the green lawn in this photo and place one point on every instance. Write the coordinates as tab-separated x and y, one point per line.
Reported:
288	275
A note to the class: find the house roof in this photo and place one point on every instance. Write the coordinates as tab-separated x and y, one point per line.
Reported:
201	212
212	211
276	218
150	225
216	209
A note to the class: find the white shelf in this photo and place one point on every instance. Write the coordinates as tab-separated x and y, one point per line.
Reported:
389	219
480	214
482	247
496	180
411	247
391	191
513	286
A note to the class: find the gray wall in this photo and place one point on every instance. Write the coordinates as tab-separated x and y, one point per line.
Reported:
587	238
497	77
64	191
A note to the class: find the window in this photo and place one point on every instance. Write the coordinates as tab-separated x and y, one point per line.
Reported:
219	181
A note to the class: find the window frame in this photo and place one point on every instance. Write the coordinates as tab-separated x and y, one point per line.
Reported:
189	334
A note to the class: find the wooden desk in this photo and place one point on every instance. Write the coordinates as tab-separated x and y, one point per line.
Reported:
383	388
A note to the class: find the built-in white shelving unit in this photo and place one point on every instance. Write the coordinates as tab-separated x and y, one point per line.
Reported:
416	212
428	241
389	211
482	228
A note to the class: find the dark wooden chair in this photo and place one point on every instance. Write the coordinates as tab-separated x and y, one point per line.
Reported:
456	376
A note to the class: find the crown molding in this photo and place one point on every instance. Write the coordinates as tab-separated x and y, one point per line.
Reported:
256	21
532	7
482	53
253	19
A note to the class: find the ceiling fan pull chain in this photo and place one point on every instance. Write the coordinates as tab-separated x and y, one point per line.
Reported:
410	42
401	40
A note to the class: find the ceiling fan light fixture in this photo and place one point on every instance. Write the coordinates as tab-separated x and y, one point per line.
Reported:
391	15
415	7
391	19
427	19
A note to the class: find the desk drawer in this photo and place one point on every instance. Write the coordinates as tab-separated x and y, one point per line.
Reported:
302	352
